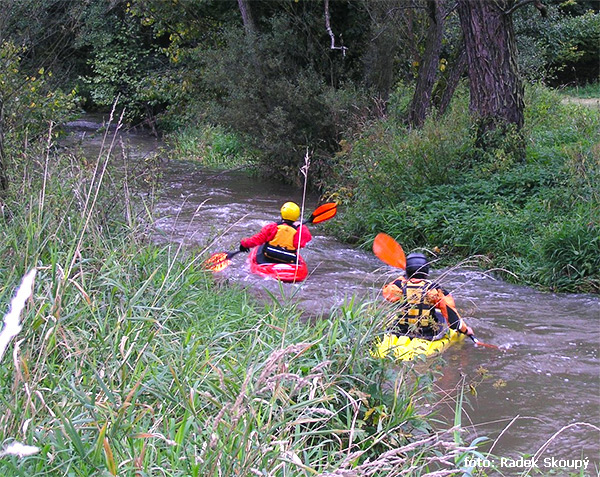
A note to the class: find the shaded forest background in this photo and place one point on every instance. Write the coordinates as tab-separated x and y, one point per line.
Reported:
442	103
285	75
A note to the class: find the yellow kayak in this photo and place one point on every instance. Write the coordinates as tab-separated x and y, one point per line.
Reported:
404	348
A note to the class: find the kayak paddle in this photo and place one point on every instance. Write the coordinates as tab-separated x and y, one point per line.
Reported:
322	213
221	260
389	251
481	343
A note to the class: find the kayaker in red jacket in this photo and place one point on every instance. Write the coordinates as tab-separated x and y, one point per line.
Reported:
421	302
279	241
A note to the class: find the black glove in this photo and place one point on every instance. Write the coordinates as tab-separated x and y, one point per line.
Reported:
244	249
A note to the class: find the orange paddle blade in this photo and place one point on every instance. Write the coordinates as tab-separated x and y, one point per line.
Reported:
486	345
323	212
389	251
219	261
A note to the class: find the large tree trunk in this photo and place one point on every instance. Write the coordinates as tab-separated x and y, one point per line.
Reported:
429	65
495	86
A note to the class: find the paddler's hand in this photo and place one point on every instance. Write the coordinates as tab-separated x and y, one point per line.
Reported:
469	331
244	249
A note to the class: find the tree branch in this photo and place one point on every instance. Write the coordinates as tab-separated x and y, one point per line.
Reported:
537	3
330	31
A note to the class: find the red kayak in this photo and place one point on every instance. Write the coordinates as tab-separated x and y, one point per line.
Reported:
286	272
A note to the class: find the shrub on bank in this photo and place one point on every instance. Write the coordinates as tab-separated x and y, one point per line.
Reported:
538	218
210	146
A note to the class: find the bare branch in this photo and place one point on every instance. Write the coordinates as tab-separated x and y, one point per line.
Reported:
537	4
330	31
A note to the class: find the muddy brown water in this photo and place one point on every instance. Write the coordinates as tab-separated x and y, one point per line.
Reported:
539	397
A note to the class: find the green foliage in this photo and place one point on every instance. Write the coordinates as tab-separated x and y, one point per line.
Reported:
29	104
570	251
28	99
535	218
284	106
390	161
45	29
575	40
211	146
124	67
561	48
590	90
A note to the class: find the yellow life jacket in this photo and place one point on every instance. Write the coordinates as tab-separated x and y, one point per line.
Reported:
284	237
281	248
417	310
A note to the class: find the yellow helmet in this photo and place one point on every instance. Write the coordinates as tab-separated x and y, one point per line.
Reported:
290	211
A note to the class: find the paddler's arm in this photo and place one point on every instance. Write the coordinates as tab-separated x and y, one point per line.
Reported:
304	237
267	233
393	291
448	308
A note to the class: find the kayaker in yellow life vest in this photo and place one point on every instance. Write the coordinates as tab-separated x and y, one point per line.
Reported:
279	241
421	302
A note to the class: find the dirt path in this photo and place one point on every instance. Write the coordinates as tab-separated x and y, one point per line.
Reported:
592	102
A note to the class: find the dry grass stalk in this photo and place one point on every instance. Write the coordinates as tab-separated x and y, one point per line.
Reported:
12	326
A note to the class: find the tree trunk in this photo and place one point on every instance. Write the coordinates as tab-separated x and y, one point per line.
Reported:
495	86
429	65
247	17
446	87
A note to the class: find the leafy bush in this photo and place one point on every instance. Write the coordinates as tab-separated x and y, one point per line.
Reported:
575	41
536	218
389	161
571	255
30	101
561	48
212	146
283	106
123	65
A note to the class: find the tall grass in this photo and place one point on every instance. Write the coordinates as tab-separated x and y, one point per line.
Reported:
132	360
590	90
211	146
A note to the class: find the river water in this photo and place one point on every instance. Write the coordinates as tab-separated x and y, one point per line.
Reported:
540	396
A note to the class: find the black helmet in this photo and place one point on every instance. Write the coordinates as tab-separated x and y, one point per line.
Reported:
417	266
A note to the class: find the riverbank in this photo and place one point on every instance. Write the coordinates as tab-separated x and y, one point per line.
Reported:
533	220
132	358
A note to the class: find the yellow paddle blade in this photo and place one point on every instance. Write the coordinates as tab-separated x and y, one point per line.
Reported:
216	263
389	251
